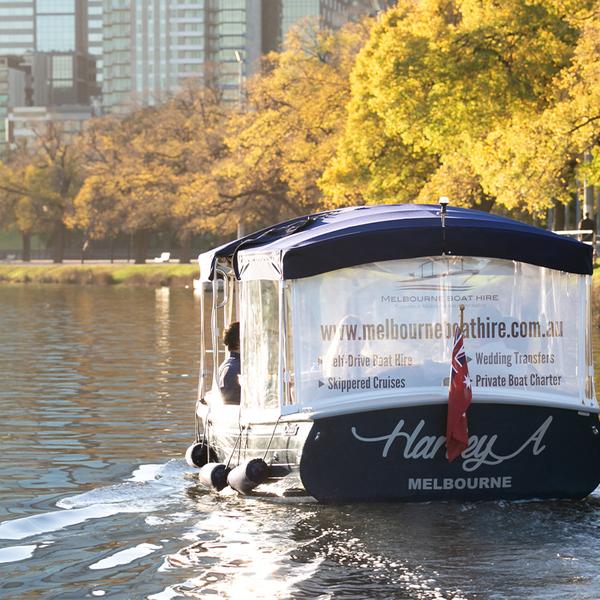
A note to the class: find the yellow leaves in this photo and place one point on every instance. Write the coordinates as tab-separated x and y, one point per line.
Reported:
296	110
480	100
141	167
42	180
459	98
535	158
457	180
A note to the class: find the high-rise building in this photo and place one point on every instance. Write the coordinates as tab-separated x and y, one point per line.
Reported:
117	55
94	34
150	47
53	36
63	71
15	89
43	26
234	42
17	28
329	13
49	40
60	26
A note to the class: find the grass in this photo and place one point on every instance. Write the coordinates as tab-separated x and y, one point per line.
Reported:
156	275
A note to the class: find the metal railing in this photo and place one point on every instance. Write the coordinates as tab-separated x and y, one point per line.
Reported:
70	254
579	234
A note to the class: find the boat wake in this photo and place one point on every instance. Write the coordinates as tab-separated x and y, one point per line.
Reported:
150	488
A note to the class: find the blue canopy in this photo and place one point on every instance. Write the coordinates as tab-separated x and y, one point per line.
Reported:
346	237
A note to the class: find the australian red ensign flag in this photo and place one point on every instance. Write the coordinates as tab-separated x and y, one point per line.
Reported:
459	399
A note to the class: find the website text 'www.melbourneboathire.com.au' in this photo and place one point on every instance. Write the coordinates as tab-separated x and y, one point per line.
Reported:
476	328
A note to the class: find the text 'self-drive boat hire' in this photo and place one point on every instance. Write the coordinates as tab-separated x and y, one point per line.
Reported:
401	352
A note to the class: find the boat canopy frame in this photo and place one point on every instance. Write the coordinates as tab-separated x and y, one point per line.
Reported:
332	240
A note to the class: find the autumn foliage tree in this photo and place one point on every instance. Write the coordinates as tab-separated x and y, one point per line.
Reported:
138	166
494	104
15	203
448	97
38	183
287	132
128	186
541	158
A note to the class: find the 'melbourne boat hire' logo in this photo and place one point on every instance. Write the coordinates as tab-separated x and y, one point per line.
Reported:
480	450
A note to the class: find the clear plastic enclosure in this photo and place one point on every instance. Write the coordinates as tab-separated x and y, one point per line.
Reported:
387	328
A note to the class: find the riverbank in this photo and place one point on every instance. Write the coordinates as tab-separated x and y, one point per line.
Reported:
149	274
106	273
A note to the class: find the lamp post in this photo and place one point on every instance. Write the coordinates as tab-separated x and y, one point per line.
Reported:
241	228
443	204
240	61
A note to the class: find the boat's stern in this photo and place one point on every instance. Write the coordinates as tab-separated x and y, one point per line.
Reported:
514	452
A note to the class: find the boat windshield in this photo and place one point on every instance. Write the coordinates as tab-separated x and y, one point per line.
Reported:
387	328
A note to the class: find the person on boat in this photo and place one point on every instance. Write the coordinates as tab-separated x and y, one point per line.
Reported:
230	368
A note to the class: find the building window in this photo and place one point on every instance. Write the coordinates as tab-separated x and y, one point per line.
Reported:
16	12
55	7
62	67
56	33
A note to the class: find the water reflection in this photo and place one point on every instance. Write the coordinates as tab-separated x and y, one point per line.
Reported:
90	380
261	549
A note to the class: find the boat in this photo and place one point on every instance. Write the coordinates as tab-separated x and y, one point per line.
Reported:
347	319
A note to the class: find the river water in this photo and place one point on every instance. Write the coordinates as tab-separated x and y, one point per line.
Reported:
97	389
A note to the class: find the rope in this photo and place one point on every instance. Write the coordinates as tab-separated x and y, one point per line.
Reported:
272	436
239	437
240	446
206	433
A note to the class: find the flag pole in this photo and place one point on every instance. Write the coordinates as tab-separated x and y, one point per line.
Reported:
462	316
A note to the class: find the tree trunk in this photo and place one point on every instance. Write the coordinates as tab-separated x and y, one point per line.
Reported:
559	216
58	243
486	201
26	246
186	248
140	247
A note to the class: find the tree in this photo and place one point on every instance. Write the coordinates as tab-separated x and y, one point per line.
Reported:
14	201
138	169
294	113
442	93
38	184
202	119
129	184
